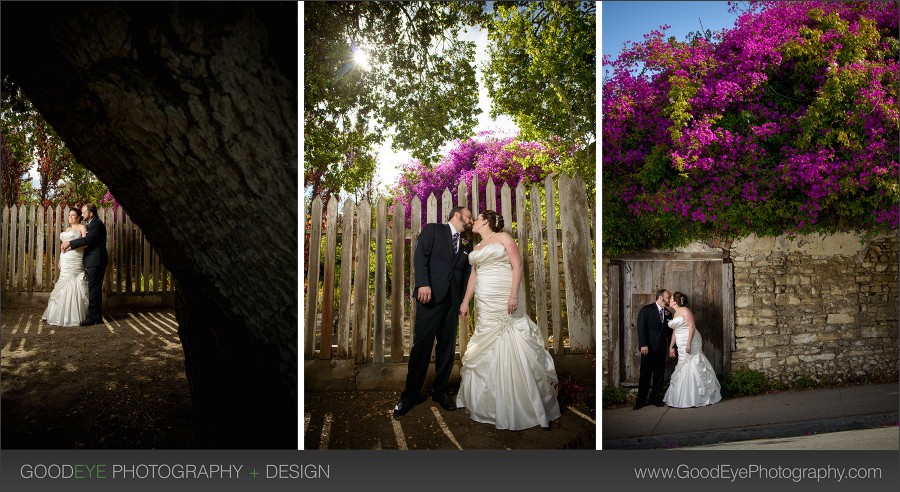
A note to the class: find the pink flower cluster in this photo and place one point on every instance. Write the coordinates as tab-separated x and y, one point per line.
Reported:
502	159
787	122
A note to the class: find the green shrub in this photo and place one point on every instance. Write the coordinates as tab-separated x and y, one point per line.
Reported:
804	382
614	396
745	382
778	385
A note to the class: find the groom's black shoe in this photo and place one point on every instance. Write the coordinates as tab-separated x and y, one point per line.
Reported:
405	405
659	404
87	323
443	399
638	406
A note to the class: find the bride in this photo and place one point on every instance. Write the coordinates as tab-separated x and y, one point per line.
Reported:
693	382
68	304
507	375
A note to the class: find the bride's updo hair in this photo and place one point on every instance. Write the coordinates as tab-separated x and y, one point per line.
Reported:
680	299
494	220
77	211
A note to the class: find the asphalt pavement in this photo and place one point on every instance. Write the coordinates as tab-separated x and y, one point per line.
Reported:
775	415
877	439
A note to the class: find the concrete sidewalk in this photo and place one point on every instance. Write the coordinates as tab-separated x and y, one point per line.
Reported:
788	413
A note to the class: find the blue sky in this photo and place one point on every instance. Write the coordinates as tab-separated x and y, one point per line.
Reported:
629	21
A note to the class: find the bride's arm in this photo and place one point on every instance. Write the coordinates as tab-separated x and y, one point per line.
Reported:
83	230
470	291
671	345
515	261
689	319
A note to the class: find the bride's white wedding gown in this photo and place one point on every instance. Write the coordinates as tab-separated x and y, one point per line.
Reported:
68	304
507	375
693	382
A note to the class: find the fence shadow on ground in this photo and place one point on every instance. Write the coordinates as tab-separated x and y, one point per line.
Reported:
120	385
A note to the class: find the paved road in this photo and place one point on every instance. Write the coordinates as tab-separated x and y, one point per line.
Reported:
882	439
769	416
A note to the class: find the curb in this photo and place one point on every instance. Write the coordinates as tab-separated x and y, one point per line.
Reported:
770	431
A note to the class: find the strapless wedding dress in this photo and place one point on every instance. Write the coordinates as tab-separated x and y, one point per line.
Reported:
693	382
68	304
507	375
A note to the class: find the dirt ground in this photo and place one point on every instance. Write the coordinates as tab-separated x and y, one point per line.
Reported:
363	420
120	385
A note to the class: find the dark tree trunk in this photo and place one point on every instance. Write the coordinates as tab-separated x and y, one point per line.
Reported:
188	112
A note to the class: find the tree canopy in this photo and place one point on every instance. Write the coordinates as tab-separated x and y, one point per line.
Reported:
542	68
29	141
787	123
414	79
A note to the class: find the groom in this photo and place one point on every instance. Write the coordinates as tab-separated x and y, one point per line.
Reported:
442	271
94	261
653	338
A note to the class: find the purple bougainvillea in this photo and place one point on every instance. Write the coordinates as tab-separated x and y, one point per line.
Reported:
785	123
503	159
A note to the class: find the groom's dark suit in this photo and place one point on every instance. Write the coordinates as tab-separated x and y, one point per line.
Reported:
94	266
653	334
446	272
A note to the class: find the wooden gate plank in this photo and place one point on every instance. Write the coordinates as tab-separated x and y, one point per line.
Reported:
540	275
615	320
312	277
361	283
462	327
728	342
415	223
4	245
578	260
378	339
523	237
556	307
347	255
39	240
398	243
326	335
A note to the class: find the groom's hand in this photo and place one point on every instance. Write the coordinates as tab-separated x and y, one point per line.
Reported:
645	350
424	295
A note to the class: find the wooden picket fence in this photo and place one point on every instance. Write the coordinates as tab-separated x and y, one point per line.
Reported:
348	318
30	252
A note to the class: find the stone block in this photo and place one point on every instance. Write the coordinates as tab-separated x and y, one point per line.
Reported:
875	332
777	340
804	338
840	318
787	300
830	336
744	301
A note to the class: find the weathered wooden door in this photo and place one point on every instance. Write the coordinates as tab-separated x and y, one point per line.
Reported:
702	280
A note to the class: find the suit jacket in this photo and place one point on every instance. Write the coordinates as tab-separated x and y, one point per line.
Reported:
436	265
652	333
95	254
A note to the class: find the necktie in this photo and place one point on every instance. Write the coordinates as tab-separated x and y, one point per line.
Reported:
455	242
662	317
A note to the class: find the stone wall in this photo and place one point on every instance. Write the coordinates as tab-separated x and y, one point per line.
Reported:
820	307
823	307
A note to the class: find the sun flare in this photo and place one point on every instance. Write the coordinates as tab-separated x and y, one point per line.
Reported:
361	58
